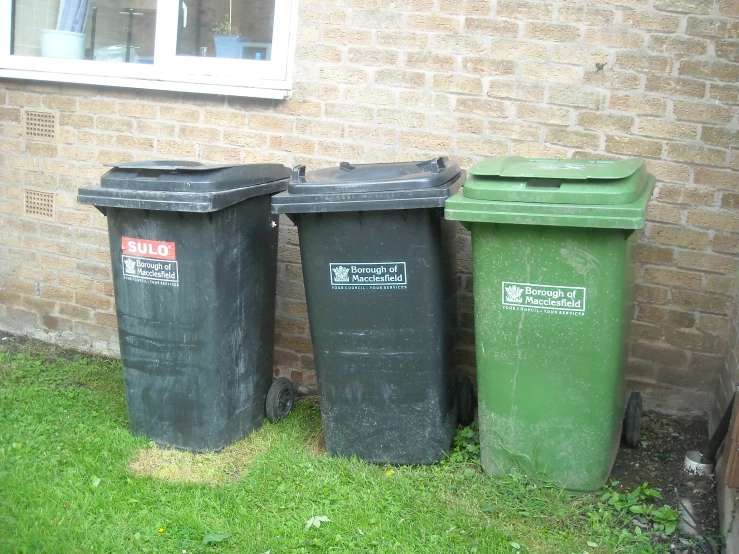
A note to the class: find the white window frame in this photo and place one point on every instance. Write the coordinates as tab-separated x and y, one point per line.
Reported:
255	78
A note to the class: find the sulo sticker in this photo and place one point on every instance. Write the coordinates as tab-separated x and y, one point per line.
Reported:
531	297
151	261
374	275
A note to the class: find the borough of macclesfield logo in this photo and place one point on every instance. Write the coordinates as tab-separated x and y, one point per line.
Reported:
130	265
514	294
341	274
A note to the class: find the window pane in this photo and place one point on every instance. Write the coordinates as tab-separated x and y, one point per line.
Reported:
105	30
226	28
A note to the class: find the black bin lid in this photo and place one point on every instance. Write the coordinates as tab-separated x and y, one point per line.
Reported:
379	186
183	186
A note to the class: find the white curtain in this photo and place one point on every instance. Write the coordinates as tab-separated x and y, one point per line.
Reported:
72	15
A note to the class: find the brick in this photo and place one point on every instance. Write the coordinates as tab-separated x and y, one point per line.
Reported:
692	196
727	49
178	148
134	143
605	122
711	303
319	128
178	113
393	77
520	131
667	129
515	90
639	104
344	36
586	14
636	61
511	49
648	293
292	144
375	19
673	278
372	134
716	178
713	220
110	157
224	118
693	340
633	146
457	84
491	27
92	300
707	262
220	153
686	6
490	108
310	13
551	32
712	27
155	128
373	56
728	8
318	52
725	243
721	284
697	154
137	109
482	147
719	136
578	98
678	236
659	354
349	112
464	7
392	39
22	317
651	21
459	44
663	213
578	139
484	66
710	70
576	54
713	324
651	253
614	80
434	23
543	114
703	112
665	44
658	315
297	107
550	72
614	36
675	86
248	139
429	141
466	125
277	124
531	150
524	10
96	105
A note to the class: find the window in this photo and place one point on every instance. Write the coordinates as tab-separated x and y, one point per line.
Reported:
235	47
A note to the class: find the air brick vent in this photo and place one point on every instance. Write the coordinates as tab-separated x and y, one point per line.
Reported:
38	204
40	125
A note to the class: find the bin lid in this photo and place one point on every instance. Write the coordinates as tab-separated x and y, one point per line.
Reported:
180	185
362	187
557	181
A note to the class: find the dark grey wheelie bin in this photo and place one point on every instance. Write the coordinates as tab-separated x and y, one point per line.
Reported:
194	253
378	264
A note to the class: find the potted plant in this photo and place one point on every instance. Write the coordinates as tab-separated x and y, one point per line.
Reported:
68	39
226	38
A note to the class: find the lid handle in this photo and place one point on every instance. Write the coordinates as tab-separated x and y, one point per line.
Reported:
346	166
437	165
298	175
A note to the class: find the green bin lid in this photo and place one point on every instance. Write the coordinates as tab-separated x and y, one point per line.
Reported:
557	181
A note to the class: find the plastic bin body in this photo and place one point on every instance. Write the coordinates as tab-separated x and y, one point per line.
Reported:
379	270
552	312
195	299
383	353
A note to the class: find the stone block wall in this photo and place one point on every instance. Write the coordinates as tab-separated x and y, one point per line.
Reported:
384	80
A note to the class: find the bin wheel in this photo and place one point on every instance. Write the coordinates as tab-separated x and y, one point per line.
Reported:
465	401
632	420
279	399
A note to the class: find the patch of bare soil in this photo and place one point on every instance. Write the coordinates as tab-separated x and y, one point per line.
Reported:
658	460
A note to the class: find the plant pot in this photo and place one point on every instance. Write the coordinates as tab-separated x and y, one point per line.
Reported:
227	46
62	44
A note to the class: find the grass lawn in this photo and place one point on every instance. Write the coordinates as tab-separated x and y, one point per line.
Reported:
72	479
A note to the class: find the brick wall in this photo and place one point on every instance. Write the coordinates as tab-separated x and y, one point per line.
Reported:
380	80
729	373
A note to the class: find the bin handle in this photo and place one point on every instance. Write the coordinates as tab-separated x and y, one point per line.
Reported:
298	175
346	166
437	164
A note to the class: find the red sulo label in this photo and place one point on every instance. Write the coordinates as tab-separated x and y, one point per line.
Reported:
148	248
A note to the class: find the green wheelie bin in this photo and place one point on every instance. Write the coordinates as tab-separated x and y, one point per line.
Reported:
551	252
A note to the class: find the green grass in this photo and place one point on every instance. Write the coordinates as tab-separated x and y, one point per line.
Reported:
66	486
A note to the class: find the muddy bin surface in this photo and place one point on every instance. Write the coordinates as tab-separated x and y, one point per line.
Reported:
658	460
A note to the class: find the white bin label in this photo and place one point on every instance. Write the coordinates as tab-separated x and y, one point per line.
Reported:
375	275
149	261
531	297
